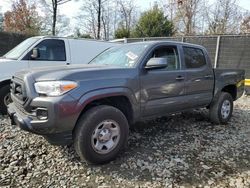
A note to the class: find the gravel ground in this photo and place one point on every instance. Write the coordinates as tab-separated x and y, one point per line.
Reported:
183	150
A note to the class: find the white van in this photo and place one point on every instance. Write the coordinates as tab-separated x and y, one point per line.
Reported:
45	51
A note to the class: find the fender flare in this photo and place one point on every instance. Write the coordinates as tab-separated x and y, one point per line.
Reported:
97	94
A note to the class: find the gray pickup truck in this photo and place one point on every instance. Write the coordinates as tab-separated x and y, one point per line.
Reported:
93	105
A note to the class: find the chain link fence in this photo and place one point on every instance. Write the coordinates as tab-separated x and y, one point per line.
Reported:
226	51
9	40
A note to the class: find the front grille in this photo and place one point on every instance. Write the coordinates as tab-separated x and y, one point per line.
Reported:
17	88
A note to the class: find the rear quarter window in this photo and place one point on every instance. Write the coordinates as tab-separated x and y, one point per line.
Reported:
194	57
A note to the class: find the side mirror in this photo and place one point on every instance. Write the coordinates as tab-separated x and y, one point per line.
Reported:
35	53
156	63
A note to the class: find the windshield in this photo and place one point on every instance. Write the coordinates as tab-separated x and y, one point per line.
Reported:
16	52
122	56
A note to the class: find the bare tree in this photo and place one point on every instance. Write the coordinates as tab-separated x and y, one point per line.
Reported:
127	9
106	18
97	18
224	17
245	24
90	17
99	9
170	8
102	20
52	5
53	21
187	15
55	4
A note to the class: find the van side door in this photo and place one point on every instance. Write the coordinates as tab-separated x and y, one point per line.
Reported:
51	52
199	76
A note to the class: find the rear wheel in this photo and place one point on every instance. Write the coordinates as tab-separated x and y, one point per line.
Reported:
221	109
4	99
101	134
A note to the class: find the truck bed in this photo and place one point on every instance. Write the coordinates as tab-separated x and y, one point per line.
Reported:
230	77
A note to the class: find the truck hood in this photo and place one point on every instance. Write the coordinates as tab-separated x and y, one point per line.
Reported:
8	67
72	72
4	60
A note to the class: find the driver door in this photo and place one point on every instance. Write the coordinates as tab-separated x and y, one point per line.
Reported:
162	90
51	52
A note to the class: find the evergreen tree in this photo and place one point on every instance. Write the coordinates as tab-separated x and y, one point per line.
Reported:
153	23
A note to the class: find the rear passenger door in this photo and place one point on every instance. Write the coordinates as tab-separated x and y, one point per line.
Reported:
52	52
199	77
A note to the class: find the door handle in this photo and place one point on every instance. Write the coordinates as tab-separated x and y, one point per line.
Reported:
208	76
179	78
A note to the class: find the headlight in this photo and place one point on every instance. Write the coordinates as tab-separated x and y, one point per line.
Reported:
54	88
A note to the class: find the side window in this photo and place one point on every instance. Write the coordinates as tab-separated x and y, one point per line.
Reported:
194	57
171	54
50	50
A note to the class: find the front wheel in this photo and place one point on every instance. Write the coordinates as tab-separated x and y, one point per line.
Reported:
4	99
101	134
221	109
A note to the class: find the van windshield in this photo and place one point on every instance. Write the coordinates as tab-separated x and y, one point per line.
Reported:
16	52
122	56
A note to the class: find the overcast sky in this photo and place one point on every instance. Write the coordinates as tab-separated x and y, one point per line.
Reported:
71	8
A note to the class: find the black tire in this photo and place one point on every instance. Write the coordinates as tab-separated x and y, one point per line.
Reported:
215	110
4	92
87	125
247	90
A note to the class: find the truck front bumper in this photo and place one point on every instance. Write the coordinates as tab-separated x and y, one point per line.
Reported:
18	119
41	127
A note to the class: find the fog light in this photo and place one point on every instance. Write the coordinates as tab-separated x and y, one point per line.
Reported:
42	114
